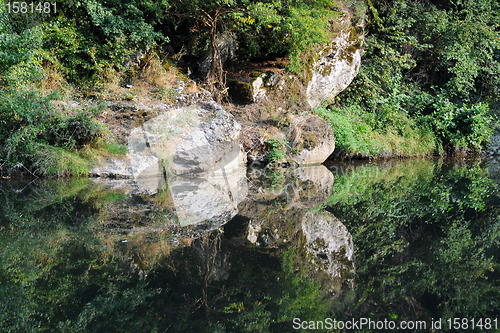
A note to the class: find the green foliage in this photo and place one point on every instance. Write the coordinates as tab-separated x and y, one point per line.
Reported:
37	138
86	40
264	27
466	42
91	39
362	134
278	149
460	126
290	28
350	136
424	232
435	63
20	52
115	148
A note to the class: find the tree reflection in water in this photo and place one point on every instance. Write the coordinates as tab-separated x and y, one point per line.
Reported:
79	257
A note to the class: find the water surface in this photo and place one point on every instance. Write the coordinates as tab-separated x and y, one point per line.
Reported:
396	240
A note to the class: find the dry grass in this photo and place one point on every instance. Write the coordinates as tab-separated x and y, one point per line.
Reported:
152	81
192	88
113	89
54	80
159	73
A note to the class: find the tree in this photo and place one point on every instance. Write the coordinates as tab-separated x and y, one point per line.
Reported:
279	27
210	14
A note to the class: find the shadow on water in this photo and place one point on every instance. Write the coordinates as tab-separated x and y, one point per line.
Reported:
240	251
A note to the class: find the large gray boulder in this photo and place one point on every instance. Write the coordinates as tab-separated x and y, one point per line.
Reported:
187	140
183	140
194	151
334	66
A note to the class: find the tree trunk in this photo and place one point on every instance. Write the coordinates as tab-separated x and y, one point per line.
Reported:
215	78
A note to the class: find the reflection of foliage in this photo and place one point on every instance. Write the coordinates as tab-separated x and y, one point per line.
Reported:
277	179
55	271
273	305
62	269
426	238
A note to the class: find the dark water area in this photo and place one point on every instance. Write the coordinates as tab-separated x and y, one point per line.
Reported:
412	243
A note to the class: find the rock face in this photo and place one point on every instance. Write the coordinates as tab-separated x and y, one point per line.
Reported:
329	70
195	149
192	139
262	82
334	67
307	140
493	148
227	44
312	138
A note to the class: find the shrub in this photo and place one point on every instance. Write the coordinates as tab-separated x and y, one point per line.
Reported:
278	150
465	126
356	133
20	54
35	137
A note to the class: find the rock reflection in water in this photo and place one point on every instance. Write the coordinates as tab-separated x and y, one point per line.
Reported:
329	248
209	197
277	215
199	147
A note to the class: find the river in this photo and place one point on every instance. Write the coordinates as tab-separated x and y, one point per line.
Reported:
401	242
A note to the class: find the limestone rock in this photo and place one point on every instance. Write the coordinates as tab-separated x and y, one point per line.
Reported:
312	139
334	66
493	148
188	139
185	139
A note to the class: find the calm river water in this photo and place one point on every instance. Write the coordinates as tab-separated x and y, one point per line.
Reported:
336	246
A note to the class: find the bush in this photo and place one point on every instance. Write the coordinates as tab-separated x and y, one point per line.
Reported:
464	127
20	54
436	63
357	134
35	137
